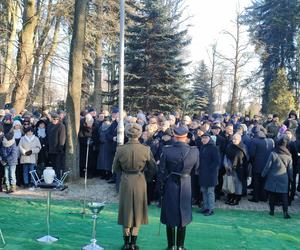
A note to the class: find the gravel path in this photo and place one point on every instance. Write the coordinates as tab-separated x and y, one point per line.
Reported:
100	190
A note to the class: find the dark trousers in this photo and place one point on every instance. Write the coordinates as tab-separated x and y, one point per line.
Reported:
57	161
292	186
218	189
259	192
275	196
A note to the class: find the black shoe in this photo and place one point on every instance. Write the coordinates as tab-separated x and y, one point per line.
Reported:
181	248
209	213
298	188
133	245
203	211
286	215
111	182
253	200
271	213
234	203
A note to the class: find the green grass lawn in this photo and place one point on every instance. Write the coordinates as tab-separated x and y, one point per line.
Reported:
22	221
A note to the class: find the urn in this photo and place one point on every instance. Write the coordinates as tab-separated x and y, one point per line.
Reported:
49	175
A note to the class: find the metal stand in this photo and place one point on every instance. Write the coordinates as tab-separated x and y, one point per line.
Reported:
2	237
96	208
48	238
83	212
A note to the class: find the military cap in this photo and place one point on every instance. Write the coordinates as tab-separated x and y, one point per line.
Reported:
181	131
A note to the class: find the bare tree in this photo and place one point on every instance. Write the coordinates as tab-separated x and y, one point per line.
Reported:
240	59
13	14
74	87
25	55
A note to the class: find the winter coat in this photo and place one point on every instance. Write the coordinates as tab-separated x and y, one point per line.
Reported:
27	144
176	164
259	151
56	138
131	159
278	171
210	162
105	154
238	156
112	132
9	152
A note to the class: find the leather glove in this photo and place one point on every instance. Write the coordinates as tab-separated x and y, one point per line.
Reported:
28	153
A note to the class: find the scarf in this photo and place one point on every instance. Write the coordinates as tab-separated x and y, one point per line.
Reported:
17	133
7	143
41	133
29	139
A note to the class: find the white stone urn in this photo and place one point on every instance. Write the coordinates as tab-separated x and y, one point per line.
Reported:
49	175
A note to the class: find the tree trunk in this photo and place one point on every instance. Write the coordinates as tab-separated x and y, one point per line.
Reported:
74	88
41	80
98	77
25	56
8	69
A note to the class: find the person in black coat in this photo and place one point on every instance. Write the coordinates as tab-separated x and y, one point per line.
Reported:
56	133
221	144
278	172
208	172
259	152
176	164
237	154
87	141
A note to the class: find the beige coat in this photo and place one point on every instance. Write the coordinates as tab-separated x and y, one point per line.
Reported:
25	145
130	159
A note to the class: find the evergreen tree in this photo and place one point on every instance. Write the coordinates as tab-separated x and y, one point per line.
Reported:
272	26
154	70
201	87
281	98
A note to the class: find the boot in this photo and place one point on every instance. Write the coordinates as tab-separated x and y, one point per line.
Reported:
180	238
133	245
286	215
171	238
126	245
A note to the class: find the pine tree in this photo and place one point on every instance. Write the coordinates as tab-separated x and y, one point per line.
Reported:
154	69
272	26
281	98
201	87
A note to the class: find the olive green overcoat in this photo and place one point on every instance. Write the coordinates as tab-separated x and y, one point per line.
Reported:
131	159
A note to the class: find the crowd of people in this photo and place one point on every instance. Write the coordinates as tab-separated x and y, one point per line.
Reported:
227	151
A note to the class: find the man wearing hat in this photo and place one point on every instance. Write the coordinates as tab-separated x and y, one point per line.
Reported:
56	133
131	159
176	164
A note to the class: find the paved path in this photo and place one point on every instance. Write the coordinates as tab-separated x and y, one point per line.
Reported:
100	190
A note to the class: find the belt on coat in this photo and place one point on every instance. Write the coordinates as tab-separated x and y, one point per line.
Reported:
133	171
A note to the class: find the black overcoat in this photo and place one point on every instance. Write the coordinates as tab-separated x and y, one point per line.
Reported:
210	162
181	159
259	151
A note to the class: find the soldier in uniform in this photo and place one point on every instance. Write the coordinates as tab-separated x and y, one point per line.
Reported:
176	163
131	159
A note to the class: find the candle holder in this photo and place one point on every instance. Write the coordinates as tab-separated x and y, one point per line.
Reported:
96	208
